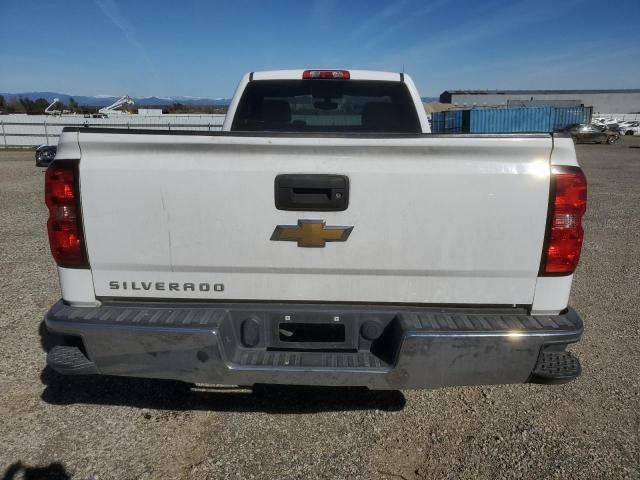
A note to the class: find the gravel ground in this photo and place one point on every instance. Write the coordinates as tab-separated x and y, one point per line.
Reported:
102	428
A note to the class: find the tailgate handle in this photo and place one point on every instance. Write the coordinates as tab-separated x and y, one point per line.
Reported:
312	192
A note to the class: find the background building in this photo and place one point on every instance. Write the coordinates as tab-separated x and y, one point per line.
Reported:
602	101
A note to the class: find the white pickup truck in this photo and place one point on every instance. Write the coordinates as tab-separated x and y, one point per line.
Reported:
323	237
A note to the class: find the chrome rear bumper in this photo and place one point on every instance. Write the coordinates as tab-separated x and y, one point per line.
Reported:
416	348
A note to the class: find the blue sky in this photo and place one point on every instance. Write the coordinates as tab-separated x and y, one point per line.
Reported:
201	48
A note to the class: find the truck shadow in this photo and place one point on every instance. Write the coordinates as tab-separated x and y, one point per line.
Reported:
17	470
175	395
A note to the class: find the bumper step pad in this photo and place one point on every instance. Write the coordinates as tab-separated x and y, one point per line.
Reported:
309	359
70	361
555	368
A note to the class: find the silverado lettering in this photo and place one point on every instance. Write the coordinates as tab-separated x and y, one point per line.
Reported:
162	286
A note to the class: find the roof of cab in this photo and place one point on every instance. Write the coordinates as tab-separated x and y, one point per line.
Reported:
354	74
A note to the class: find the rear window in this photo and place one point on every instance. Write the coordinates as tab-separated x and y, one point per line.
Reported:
326	106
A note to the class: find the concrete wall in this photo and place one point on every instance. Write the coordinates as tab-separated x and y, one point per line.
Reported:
601	102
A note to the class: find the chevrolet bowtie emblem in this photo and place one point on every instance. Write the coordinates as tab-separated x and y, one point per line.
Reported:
310	233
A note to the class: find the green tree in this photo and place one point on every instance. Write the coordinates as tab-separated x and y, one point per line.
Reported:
28	105
3	104
40	105
15	106
73	105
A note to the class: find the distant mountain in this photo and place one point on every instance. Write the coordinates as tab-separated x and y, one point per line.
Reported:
104	100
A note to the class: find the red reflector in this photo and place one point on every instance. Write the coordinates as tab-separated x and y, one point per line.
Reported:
66	246
565	233
59	183
65	223
326	75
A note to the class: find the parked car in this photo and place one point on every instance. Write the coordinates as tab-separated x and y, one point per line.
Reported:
605	121
588	132
631	127
321	238
45	155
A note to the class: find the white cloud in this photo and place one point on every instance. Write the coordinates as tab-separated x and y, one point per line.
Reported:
110	10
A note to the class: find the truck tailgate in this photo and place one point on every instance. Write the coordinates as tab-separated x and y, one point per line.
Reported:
438	220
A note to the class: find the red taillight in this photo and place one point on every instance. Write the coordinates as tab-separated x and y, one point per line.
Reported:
326	75
65	221
564	229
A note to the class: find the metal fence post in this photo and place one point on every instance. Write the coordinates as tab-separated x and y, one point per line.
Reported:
46	132
4	134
